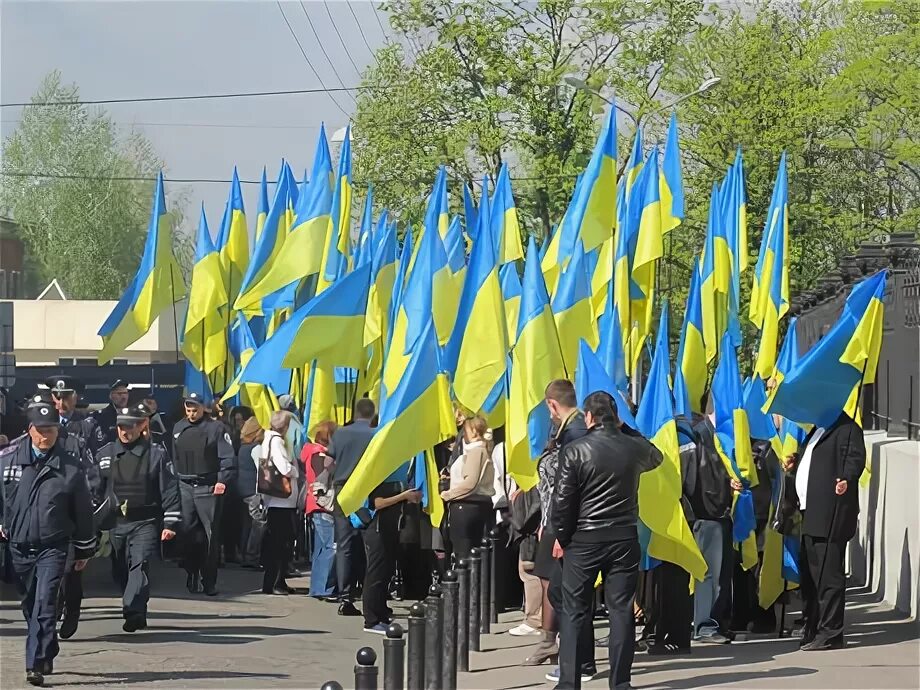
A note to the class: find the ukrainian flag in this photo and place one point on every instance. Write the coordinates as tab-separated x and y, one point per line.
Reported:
506	231
298	253
736	217
592	213
671	181
436	212
536	360
156	285
233	239
772	280
263	205
363	250
761	425
267	249
691	372
645	217
204	339
610	344
377	324
455	246
660	489
480	337
511	292
415	415
336	254
791	434
258	397
716	279
572	309
829	378
591	376
470	213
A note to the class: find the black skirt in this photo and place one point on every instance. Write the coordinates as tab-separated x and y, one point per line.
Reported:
544	563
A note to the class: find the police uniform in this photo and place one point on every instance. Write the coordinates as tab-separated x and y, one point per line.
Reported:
105	421
203	456
46	509
135	489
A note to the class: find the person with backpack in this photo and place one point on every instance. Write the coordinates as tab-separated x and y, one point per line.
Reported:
710	500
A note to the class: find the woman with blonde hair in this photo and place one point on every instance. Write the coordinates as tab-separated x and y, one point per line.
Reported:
279	535
472	485
252	524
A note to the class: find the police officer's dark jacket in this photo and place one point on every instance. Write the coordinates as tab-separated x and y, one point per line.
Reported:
105	431
46	501
203	450
597	485
132	483
78	437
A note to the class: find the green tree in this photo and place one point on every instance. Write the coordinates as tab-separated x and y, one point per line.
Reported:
83	226
483	82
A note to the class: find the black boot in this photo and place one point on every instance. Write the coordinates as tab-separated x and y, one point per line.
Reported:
35	678
134	622
193	583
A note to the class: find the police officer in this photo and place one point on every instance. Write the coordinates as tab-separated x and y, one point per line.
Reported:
46	510
65	393
105	418
135	488
206	465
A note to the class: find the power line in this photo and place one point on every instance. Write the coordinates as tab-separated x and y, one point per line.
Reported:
379	22
304	53
361	31
319	42
336	29
193	97
200	124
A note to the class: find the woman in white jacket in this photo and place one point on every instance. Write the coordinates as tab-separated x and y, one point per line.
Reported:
279	535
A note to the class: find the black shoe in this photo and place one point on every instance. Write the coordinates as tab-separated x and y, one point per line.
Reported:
192	583
68	627
281	591
346	608
210	590
35	678
819	645
134	623
667	649
46	668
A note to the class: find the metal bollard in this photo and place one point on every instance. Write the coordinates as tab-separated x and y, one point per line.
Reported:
450	593
475	581
415	673
393	664
433	628
485	587
366	669
494	537
331	685
463	615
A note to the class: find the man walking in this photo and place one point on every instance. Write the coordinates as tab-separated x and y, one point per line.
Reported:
594	516
46	511
135	488
105	419
346	448
206	464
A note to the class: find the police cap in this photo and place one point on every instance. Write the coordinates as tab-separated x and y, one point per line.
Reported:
132	414
62	384
39	398
42	414
118	383
194	399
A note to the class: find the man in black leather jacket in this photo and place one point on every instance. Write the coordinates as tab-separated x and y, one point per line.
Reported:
594	516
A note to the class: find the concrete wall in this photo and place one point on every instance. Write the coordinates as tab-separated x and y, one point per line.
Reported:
885	554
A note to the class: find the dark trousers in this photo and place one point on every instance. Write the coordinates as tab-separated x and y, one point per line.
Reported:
585	638
252	531
201	518
466	525
673	608
618	564
823	592
277	546
381	545
40	572
134	545
349	554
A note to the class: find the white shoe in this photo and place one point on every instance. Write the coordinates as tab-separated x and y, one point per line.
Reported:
523	630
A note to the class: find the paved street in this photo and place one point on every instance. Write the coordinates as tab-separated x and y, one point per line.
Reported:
246	640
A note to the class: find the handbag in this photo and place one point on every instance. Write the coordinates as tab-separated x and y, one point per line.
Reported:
786	515
271	482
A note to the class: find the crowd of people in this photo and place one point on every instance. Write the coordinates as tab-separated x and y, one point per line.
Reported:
216	488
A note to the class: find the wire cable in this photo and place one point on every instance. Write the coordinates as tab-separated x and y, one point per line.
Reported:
336	29
200	124
319	42
304	53
361	31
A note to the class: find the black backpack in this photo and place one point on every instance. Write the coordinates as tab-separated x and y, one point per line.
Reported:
713	487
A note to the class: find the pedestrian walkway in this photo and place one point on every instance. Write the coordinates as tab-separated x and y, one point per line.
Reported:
243	639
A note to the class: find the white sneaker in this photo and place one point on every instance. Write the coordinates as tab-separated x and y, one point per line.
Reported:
523	630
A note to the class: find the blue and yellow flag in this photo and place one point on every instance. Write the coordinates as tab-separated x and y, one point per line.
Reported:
258	397
156	285
536	360
828	379
771	276
455	246
511	293
591	376
233	239
573	310
506	230
336	256
660	490
791	435
735	202
262	213
691	372
204	341
645	222
363	250
610	344
592	213
415	415
715	279
470	213
671	181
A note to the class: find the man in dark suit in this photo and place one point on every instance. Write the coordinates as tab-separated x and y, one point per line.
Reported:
826	478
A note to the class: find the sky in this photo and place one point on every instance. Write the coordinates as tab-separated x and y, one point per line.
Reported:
132	49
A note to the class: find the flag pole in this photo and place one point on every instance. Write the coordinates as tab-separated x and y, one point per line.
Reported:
172	289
